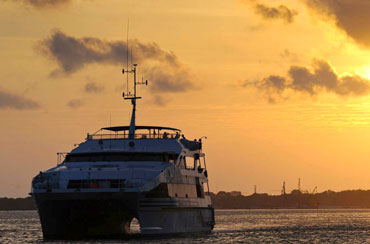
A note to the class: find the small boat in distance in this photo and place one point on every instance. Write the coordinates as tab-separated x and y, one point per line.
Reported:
151	173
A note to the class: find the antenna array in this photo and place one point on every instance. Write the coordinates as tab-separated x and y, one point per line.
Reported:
131	96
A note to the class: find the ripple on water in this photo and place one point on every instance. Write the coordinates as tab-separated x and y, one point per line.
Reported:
236	226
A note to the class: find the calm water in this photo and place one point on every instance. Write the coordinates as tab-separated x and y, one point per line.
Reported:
236	226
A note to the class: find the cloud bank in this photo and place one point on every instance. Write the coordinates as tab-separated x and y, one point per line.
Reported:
163	69
351	16
13	101
321	77
272	13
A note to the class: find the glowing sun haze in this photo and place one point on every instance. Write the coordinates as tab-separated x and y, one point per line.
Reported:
280	87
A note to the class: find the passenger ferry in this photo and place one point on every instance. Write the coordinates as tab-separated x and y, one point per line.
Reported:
149	173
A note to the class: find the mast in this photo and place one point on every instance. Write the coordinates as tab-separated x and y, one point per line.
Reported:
133	98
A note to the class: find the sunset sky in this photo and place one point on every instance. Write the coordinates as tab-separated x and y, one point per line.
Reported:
280	87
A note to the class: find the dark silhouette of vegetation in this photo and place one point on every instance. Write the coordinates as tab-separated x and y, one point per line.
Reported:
297	199
235	200
17	204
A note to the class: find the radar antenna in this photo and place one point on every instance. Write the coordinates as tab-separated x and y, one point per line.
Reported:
133	98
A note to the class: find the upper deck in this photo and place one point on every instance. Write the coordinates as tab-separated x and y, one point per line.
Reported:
141	132
146	139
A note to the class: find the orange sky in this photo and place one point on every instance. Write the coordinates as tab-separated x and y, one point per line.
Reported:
280	88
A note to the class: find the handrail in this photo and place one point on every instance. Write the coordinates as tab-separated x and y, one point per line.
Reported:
137	136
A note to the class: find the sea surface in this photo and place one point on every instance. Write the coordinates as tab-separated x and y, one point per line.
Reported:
232	226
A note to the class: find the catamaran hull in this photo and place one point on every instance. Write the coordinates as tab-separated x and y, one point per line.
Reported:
108	215
81	215
176	220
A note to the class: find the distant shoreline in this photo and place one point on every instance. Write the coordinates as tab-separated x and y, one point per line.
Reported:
351	199
7	204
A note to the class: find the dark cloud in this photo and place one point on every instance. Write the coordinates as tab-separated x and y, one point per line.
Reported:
321	77
169	80
72	54
13	101
92	87
281	12
161	68
159	100
75	103
272	13
351	16
42	4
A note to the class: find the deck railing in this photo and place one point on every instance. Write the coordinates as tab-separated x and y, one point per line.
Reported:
136	136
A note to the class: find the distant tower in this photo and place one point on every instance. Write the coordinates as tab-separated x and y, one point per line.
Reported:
299	184
283	192
255	189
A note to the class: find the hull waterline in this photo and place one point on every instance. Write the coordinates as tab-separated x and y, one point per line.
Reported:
108	215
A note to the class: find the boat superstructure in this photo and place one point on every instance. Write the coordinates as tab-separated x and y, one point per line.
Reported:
150	173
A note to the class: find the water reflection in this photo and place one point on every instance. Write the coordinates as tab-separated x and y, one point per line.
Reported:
237	226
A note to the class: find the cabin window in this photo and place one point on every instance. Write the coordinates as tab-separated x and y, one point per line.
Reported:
199	188
188	162
109	157
91	183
